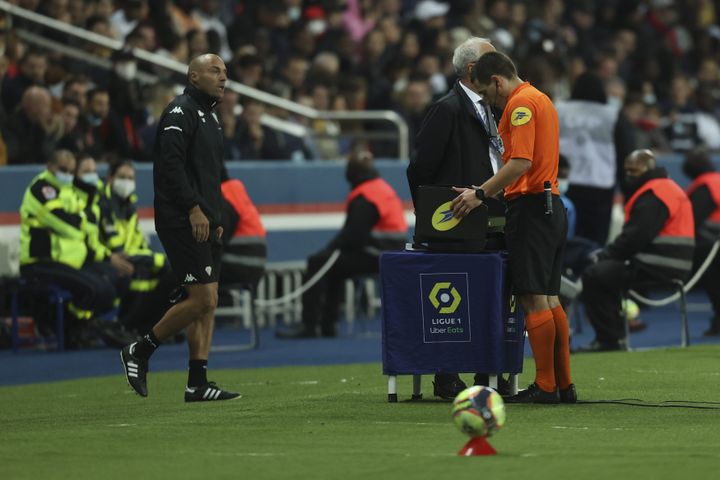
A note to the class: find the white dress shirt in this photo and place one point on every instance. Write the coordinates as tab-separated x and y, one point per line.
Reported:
476	100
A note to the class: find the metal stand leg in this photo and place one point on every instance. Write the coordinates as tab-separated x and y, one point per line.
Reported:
392	389
684	332
493	381
417	387
513	380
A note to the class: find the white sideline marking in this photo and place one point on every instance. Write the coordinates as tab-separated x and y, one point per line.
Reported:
410	423
306	382
122	425
245	454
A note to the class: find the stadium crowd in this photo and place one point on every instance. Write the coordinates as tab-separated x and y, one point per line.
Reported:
658	60
657	64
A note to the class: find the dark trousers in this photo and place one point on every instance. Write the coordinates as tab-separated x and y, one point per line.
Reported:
140	311
711	278
321	303
603	287
93	287
594	209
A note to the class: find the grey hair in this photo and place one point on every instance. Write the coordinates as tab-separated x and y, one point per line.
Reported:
466	53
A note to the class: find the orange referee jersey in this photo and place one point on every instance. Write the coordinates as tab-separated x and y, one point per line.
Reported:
530	129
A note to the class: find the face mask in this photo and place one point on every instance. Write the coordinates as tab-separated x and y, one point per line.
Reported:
614	102
126	70
294	13
316	27
91	178
123	187
94	121
64	178
563	185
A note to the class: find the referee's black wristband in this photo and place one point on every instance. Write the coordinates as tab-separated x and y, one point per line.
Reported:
480	194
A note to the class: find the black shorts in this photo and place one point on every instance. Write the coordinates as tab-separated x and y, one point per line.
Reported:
535	244
191	262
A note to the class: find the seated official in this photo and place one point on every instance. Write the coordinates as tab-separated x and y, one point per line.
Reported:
656	242
152	281
375	222
704	194
54	248
245	249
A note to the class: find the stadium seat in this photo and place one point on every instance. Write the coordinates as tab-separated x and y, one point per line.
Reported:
662	283
361	296
55	295
243	313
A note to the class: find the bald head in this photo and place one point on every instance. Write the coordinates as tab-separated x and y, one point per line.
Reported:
360	167
36	104
639	162
208	73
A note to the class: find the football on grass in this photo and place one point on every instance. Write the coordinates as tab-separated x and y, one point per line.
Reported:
479	411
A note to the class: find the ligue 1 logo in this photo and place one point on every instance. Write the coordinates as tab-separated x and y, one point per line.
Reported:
443	293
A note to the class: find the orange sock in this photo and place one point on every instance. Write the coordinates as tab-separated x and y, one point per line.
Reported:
562	347
541	331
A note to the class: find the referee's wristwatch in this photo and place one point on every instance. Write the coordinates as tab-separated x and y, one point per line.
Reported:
480	194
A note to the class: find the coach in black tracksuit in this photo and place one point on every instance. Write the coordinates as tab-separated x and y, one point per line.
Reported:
188	201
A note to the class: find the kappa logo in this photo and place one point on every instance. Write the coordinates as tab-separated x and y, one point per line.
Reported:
215	117
520	116
190	278
208	270
177	110
447	301
442	218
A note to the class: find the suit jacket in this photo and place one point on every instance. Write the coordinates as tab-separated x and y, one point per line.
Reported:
452	146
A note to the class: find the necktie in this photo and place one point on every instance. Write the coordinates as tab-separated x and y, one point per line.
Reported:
491	128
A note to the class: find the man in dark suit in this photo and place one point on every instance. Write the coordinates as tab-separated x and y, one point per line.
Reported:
457	144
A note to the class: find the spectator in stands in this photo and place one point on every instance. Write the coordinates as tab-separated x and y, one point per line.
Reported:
128	98
256	141
31	132
107	134
245	248
248	70
130	14
75	88
563	178
32	73
291	80
197	42
704	193
413	102
207	14
71	138
656	243
592	143
375	222
54	246
682	128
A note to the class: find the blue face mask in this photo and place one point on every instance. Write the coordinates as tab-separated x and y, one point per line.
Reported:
90	178
64	178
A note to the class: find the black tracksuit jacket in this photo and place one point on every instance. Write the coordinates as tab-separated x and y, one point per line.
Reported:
188	160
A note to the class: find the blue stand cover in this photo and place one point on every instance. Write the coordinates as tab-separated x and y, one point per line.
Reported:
449	313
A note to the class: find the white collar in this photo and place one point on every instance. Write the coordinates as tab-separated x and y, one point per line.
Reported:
474	97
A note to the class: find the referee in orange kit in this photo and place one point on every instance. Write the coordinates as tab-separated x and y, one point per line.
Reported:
536	223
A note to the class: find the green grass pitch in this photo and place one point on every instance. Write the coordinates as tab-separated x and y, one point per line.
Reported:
333	422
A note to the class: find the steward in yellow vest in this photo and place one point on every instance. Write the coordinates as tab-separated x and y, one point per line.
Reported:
53	242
